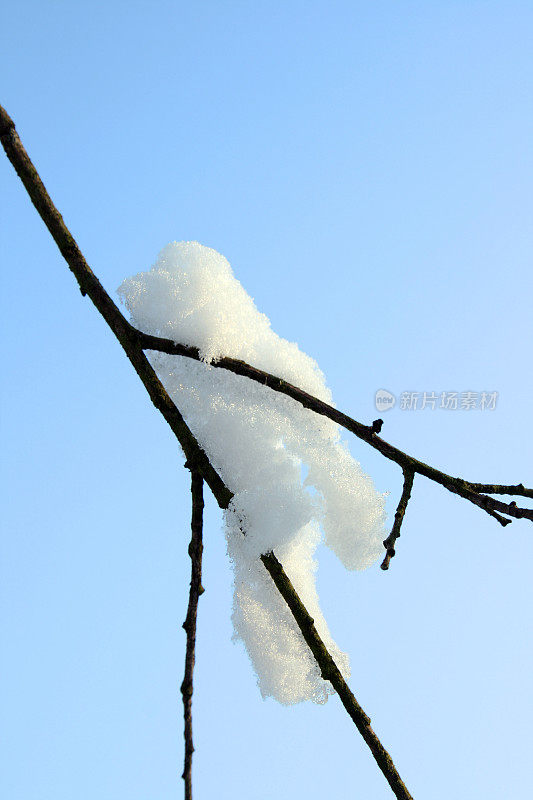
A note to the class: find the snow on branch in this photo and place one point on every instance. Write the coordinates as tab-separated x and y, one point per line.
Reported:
259	441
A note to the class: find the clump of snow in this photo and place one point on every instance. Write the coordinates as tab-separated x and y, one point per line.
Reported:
258	440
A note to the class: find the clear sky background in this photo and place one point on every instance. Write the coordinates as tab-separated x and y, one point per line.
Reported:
367	170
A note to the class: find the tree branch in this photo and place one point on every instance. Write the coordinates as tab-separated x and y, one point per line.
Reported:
196	548
330	672
195	456
492	488
466	489
390	541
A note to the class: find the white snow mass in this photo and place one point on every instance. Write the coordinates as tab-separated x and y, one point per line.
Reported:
258	440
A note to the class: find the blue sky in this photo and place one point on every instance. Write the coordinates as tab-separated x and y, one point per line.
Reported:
366	168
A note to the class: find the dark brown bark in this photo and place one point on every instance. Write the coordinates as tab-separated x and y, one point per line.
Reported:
196	548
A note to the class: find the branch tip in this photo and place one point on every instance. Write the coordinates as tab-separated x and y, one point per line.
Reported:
386	561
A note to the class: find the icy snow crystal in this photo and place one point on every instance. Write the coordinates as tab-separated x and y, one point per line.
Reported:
258	440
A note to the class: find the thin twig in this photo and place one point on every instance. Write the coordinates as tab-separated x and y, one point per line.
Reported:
195	456
390	541
196	548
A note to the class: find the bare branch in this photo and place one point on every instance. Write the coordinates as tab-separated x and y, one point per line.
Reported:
390	541
196	458
196	548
